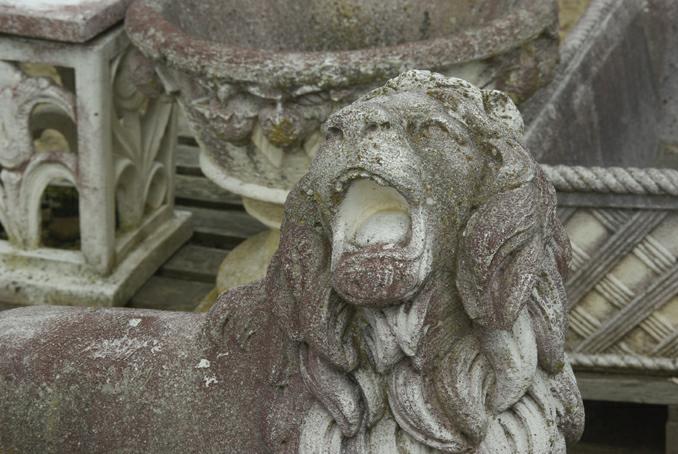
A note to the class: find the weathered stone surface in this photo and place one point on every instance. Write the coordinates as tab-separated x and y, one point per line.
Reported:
257	79
613	101
73	21
415	304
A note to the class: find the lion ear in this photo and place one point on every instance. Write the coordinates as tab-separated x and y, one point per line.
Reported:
300	258
500	253
499	106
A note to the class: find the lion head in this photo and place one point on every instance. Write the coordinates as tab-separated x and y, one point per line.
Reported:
420	275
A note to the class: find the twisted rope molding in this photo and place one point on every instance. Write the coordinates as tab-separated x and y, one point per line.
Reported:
582	33
644	363
613	180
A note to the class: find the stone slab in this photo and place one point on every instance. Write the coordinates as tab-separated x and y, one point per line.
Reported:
74	21
188	160
201	191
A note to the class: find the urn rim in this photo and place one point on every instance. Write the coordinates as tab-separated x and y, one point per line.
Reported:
165	42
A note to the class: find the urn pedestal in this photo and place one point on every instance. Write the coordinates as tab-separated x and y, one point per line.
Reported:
87	144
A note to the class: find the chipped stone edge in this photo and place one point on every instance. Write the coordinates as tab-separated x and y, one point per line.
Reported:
42	284
68	27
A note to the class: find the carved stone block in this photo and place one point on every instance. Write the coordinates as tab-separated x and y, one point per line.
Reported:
83	129
415	304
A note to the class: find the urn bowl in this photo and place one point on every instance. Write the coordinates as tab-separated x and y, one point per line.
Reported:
257	78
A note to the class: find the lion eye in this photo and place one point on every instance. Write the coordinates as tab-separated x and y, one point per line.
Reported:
333	132
372	126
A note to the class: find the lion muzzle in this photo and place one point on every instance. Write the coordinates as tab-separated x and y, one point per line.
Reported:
376	252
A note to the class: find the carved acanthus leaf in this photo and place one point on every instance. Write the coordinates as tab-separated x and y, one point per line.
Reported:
142	127
22	96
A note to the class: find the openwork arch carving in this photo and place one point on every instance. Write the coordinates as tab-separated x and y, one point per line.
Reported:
35	182
26	170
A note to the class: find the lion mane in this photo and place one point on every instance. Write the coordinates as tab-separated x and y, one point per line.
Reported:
455	344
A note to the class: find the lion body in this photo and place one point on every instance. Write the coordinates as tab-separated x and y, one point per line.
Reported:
133	381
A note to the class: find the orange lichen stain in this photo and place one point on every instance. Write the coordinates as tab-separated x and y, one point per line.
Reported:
570	13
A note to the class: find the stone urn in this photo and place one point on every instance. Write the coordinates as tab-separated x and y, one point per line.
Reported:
257	79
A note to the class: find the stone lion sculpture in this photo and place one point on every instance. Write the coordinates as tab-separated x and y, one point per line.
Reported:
415	304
